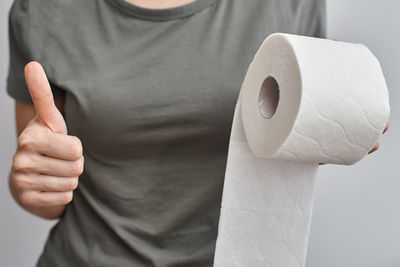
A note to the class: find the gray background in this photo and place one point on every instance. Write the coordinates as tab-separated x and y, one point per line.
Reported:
356	221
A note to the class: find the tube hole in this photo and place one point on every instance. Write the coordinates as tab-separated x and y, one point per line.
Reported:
269	97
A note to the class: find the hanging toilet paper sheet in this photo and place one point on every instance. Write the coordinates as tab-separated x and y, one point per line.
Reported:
304	101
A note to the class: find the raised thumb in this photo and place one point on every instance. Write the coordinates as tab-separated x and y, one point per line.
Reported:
42	97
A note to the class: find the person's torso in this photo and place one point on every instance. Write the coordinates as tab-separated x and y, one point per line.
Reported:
152	101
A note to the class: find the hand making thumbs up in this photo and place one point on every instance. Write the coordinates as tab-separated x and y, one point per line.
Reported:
48	162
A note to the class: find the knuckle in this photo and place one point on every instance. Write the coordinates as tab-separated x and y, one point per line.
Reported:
20	181
26	198
72	184
77	167
21	162
76	148
17	162
25	141
66	197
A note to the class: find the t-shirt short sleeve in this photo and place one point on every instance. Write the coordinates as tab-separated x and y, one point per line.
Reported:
20	52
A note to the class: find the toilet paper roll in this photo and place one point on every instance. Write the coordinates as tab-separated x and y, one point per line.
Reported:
303	101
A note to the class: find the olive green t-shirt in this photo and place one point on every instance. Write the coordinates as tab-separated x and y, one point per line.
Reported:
151	95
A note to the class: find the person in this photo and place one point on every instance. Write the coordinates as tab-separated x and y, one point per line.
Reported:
125	141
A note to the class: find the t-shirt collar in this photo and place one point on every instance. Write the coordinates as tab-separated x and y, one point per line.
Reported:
161	14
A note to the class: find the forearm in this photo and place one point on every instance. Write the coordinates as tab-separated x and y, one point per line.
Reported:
43	212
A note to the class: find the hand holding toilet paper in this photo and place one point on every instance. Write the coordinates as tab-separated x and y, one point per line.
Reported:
303	101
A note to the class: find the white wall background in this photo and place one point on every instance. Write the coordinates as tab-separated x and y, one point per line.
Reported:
356	219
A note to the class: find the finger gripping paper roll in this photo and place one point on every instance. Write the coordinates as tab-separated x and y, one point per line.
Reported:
304	101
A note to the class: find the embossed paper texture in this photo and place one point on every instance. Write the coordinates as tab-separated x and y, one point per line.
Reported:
304	101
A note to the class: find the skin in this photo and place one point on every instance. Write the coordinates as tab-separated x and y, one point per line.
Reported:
159	4
48	162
